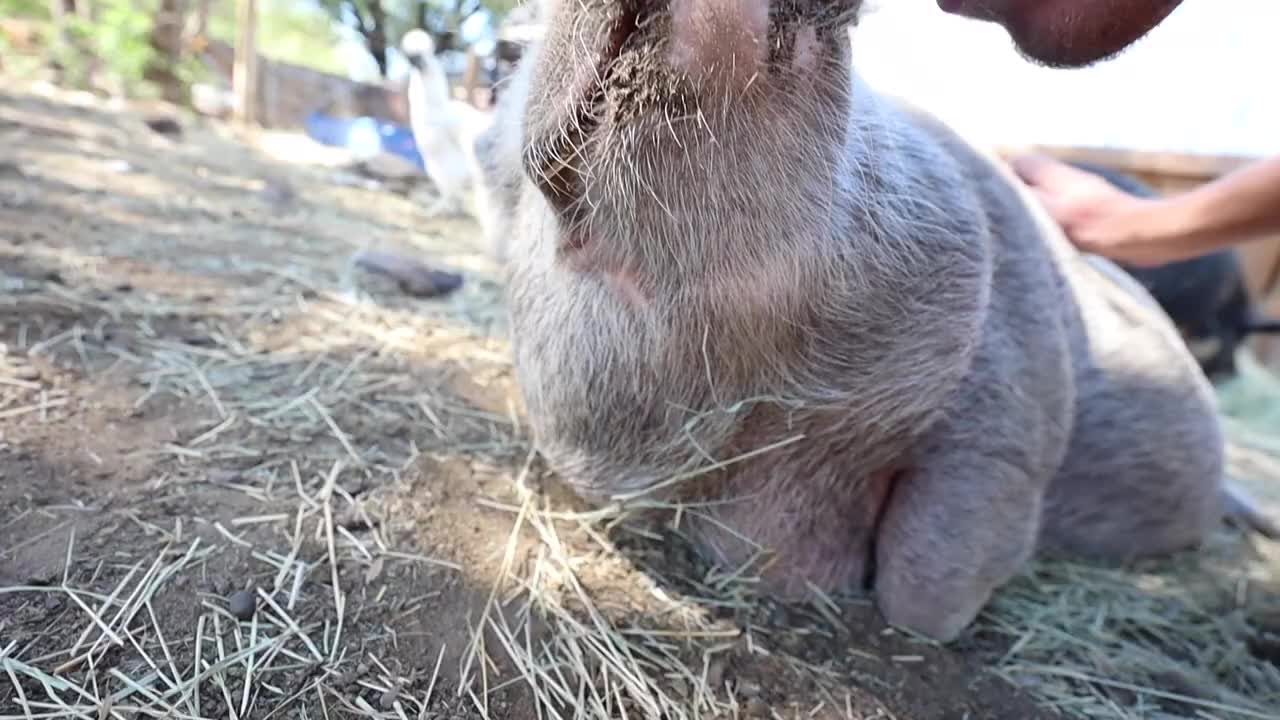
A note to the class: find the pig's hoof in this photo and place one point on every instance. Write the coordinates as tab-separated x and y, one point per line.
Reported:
940	626
941	614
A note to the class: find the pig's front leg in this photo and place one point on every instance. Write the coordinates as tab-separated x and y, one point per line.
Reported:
966	517
956	528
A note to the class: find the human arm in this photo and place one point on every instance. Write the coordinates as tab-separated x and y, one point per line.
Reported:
1236	208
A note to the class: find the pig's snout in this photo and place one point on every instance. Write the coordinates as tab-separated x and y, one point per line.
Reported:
623	75
725	39
638	62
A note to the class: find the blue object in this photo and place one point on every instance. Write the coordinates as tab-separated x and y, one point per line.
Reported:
364	136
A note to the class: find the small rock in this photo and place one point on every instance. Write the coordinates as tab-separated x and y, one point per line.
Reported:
1265	647
386	166
779	617
374	572
242	604
278	193
26	372
225	477
163	125
43	578
414	278
715	674
199	341
354	520
388	699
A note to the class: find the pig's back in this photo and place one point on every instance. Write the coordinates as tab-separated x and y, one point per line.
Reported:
1025	364
1141	461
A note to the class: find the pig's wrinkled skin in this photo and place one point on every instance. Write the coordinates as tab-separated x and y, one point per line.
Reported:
723	240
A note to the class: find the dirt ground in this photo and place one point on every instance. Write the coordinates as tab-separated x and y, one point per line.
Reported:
200	396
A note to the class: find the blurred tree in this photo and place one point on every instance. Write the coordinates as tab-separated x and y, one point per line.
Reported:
301	32
369	18
122	45
197	21
132	39
381	23
24	8
245	73
165	38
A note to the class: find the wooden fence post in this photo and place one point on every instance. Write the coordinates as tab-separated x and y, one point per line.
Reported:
245	72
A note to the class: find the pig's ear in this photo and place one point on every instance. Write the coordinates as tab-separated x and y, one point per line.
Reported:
727	38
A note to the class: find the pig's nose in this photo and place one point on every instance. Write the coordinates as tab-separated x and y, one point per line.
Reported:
552	157
722	40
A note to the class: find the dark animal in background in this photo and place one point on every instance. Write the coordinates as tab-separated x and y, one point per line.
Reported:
1205	296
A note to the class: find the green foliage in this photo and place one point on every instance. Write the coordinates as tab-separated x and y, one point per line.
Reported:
119	36
446	15
299	33
116	42
36	9
303	32
293	31
119	42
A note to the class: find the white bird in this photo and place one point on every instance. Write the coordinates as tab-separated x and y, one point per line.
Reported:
444	129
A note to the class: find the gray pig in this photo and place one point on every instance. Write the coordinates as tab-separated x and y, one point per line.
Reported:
839	336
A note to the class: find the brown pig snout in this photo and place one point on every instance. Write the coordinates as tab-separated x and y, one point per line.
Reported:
724	39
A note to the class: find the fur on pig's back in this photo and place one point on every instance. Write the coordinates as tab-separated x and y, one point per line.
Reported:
1138	392
1020	394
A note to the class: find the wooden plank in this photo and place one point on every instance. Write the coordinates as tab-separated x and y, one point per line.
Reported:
1175	166
244	75
470	76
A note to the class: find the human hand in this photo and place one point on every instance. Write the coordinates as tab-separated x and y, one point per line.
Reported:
1096	216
